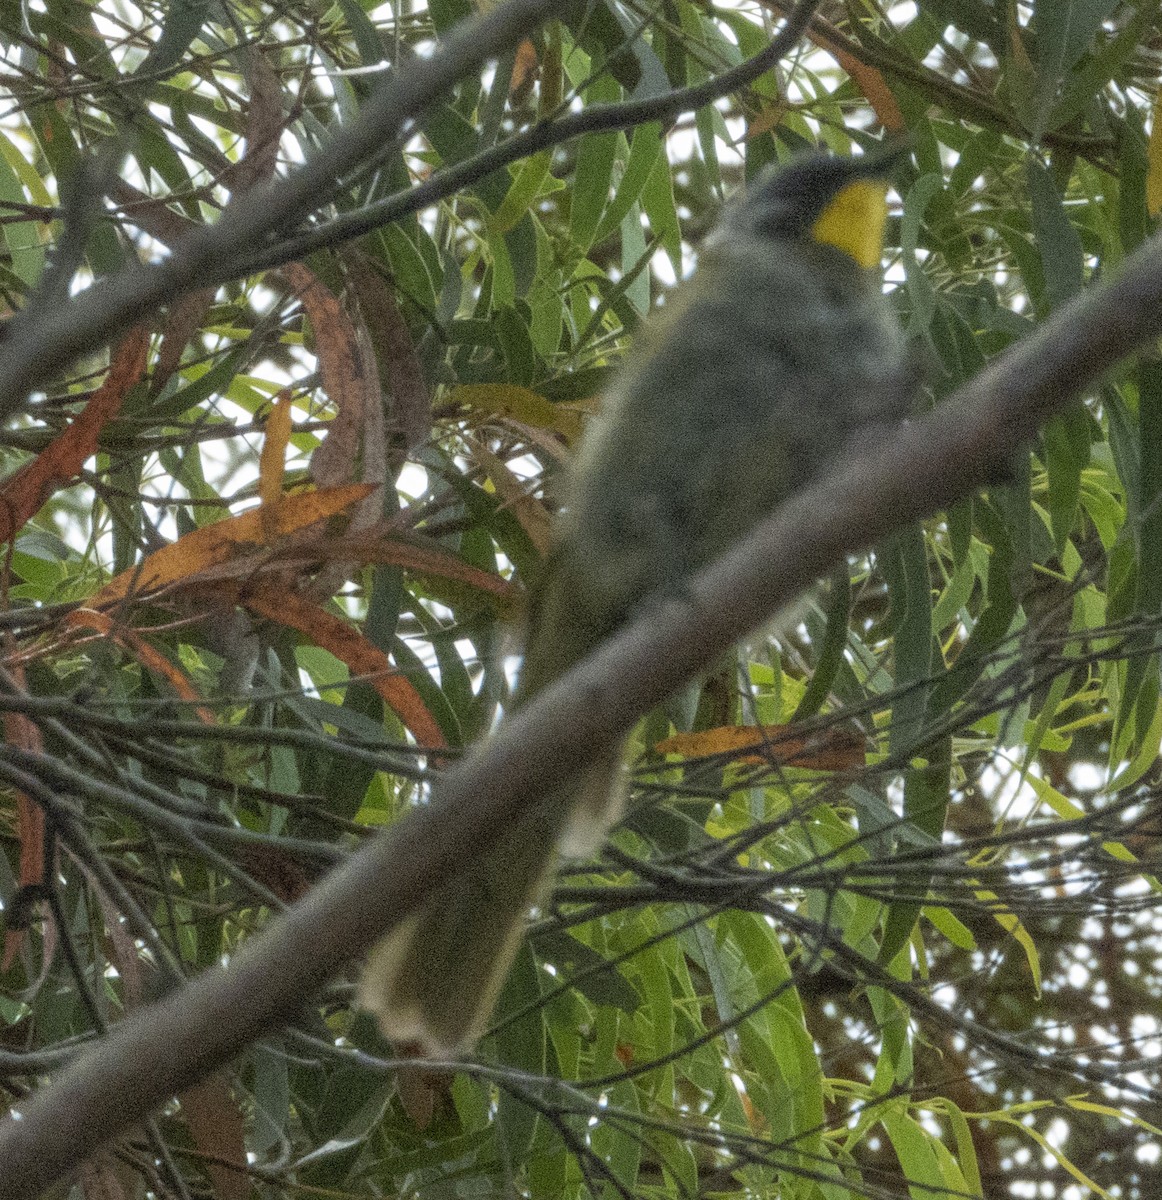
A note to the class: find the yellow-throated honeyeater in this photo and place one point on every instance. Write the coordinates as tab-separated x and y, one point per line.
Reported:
777	353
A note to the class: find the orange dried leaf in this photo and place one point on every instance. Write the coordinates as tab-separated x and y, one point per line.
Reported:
868	79
347	644
218	543
150	658
768	118
272	463
23	493
524	68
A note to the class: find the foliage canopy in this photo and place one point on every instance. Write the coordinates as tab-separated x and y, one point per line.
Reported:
264	549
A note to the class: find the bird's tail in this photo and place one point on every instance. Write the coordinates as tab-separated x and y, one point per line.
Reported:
435	979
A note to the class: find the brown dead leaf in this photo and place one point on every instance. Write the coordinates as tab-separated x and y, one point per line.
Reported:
21	732
214	1119
277	870
153	215
183	319
105	1177
422	1091
768	118
868	79
123	952
410	406
151	659
348	373
392	548
264	125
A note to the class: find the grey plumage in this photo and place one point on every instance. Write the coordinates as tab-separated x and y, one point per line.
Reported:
752	378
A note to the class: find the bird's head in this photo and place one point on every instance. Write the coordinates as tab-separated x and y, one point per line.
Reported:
840	202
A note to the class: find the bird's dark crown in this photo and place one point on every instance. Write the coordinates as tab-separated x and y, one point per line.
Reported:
787	199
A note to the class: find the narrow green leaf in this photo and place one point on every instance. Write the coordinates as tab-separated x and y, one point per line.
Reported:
182	23
1066	442
644	152
1065	29
913	1147
831	649
1057	240
593	174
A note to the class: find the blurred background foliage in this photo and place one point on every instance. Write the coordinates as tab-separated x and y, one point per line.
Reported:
264	556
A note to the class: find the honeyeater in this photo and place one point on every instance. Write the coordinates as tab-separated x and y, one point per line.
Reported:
778	353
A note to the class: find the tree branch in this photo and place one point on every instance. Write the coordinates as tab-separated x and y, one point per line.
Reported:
596	118
39	348
874	489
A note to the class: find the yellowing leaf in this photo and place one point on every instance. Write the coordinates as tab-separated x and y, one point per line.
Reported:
532	515
521	404
1070	810
272	463
1154	161
785	745
1011	924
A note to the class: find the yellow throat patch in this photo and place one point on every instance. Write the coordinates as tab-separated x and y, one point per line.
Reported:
854	221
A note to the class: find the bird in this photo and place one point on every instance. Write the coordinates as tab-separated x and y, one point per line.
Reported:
779	352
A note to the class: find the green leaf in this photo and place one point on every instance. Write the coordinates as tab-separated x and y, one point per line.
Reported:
831	648
23	238
644	152
592	183
1065	29
659	206
920	291
1057	240
586	971
1067	448
519	1044
182	23
914	1147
